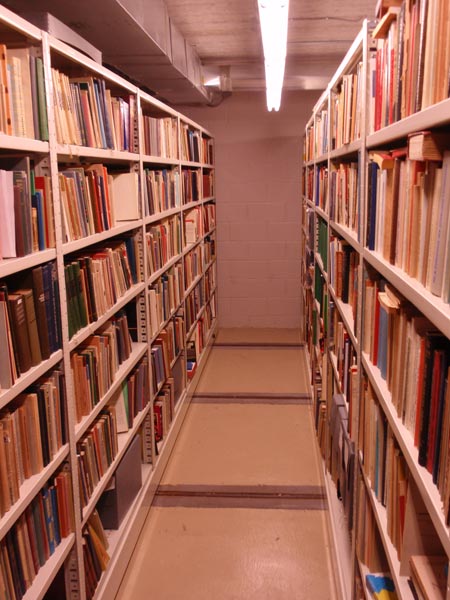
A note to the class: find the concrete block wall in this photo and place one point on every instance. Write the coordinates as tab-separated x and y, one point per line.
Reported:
258	164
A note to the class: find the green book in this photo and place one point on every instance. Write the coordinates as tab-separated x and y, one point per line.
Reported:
42	106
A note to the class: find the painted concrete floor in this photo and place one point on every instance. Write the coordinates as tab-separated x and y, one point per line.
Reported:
240	513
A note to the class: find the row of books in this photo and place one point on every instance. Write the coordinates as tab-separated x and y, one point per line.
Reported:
161	190
207	151
320	303
208	184
344	354
190	185
308	183
95	553
95	280
340	457
163	409
194	263
96	452
163	242
194	302
165	296
160	136
161	360
346	106
344	182
322	241
343	271
175	335
132	396
320	139
94	200
409	66
414	360
309	141
23	111
191	358
26	210
409	214
29	322
321	191
198	336
32	431
209	217
190	143
95	364
210	280
373	438
209	244
86	114
369	547
193	225
35	536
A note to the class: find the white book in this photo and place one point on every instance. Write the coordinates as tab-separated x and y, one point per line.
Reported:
442	231
7	221
125	195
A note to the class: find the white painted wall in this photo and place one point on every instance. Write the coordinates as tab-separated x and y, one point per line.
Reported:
258	160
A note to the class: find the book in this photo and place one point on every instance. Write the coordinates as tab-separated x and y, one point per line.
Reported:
20	327
125	196
381	586
429	575
427	145
32	328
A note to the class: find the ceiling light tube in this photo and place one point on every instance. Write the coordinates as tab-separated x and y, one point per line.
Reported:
273	17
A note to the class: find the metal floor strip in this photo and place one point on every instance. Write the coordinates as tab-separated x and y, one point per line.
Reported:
255	497
250	398
260	345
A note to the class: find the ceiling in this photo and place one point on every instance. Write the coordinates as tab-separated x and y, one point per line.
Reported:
171	47
227	33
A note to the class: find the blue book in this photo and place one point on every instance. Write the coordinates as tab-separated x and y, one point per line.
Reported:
382	340
36	202
372	199
55	515
49	523
381	586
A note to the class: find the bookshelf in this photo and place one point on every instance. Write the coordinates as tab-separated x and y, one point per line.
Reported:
376	316
118	190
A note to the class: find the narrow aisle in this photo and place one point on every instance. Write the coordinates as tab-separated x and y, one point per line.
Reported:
241	512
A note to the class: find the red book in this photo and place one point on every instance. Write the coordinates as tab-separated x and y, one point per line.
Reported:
438	359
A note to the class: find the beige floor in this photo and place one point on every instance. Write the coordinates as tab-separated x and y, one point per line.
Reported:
262	336
245	370
229	553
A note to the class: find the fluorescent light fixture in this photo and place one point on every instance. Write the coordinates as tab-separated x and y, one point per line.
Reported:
273	17
213	82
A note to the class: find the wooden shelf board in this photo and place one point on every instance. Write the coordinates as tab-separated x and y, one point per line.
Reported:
9	266
121	227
